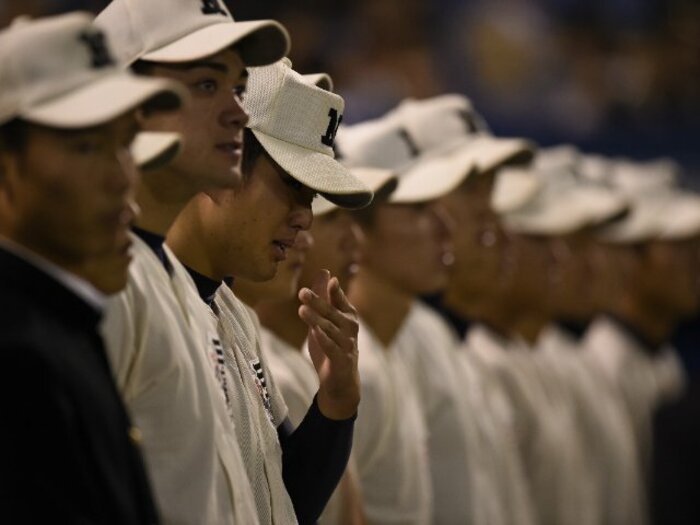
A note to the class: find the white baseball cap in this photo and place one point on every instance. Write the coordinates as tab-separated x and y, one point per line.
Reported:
296	122
172	31
322	80
449	124
385	143
59	72
663	212
379	181
152	150
561	203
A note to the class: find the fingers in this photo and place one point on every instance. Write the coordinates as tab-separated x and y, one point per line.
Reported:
342	338
344	321
320	284
339	299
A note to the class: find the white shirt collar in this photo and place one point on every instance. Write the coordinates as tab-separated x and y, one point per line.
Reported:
75	284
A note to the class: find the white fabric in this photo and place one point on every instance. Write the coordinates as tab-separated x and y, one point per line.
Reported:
390	444
257	405
154	149
187	30
57	71
612	469
509	501
462	479
547	441
641	380
163	372
296	123
297	380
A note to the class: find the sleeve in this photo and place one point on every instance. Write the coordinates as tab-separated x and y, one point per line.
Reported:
42	459
314	458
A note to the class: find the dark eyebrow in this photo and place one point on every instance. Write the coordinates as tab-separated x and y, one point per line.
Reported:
205	64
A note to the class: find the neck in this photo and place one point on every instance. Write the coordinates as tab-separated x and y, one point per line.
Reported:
529	326
380	304
650	323
162	195
188	240
282	319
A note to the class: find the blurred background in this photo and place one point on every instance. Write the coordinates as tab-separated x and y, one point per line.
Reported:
619	77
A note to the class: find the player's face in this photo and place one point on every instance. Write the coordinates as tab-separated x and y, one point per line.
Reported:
525	273
477	240
285	283
67	193
570	278
256	224
670	276
409	245
337	248
212	124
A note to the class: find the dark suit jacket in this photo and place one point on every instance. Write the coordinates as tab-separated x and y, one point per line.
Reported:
67	451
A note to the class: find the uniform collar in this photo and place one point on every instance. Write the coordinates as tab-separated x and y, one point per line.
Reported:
79	286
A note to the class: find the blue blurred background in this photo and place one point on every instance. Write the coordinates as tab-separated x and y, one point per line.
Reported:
620	77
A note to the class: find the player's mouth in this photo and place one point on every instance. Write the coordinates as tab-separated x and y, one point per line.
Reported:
280	247
232	149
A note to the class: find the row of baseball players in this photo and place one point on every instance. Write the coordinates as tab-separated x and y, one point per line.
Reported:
243	424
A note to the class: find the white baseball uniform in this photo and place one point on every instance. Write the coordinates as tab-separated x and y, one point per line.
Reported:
547	442
462	475
296	378
168	383
608	438
258	405
390	445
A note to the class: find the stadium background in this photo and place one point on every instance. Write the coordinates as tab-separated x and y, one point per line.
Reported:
613	76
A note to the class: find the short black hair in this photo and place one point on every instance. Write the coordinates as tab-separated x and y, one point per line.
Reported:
252	151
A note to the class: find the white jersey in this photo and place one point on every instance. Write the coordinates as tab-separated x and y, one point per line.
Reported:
296	378
257	405
643	381
390	444
168	384
462	480
608	439
547	441
508	501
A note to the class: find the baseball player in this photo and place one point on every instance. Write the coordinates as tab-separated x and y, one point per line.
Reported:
284	334
69	452
246	232
168	368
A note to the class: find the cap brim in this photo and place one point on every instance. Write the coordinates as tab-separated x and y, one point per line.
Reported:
153	150
104	100
492	152
317	171
261	42
434	177
322	80
513	188
379	181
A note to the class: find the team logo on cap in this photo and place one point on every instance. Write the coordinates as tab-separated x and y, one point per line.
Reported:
408	140
97	45
329	138
212	7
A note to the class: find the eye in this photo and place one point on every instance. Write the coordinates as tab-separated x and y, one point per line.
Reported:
293	183
239	91
208	86
85	146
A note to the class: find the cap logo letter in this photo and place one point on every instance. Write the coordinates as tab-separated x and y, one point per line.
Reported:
212	7
408	140
329	138
97	45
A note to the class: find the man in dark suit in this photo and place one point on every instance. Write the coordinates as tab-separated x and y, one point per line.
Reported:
68	453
